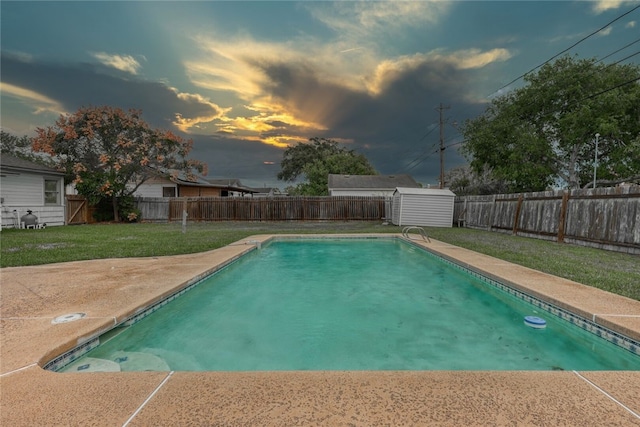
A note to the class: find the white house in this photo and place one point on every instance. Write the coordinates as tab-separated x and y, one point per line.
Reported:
157	186
368	185
25	185
423	207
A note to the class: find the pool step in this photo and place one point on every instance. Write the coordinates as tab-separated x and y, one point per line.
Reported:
92	364
139	361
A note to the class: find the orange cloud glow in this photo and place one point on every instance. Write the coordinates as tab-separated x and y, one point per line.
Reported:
186	124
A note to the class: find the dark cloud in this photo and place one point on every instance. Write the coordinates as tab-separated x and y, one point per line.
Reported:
75	86
388	127
278	124
84	85
236	158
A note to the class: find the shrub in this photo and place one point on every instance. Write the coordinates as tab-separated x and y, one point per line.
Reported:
126	210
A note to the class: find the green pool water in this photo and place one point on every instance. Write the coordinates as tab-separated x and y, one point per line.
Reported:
350	304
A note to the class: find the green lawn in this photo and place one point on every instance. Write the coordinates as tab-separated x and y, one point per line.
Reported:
612	271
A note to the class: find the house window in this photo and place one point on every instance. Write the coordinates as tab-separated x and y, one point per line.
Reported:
168	191
51	192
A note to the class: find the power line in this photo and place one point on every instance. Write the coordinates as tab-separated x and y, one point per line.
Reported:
594	95
571	104
595	71
421	158
624	59
455	143
607	90
410	150
414	163
622	48
427	134
569	48
592	72
426	155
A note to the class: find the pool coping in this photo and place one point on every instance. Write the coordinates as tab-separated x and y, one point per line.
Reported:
29	340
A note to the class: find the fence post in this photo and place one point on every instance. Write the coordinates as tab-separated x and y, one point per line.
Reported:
184	221
491	212
464	212
563	216
185	206
516	219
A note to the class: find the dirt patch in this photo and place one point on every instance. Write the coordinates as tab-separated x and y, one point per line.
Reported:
51	246
43	246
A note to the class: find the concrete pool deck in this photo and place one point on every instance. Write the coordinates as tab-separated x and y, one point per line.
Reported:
110	291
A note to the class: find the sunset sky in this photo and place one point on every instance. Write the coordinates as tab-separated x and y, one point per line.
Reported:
245	79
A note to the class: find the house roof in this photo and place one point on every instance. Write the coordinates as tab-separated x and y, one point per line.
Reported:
181	178
10	162
195	180
267	190
232	184
424	191
371	181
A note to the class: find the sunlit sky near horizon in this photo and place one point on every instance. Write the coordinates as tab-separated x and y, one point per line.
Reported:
245	79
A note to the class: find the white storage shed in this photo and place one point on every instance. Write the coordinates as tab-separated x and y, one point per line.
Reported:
428	207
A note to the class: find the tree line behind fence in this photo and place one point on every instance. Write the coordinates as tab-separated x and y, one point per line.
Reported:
263	209
607	218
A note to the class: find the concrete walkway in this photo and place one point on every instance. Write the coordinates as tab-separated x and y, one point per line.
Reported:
109	291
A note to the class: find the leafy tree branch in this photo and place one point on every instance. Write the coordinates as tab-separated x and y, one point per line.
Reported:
543	134
109	153
315	161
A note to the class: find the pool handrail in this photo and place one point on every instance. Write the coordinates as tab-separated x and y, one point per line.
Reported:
420	230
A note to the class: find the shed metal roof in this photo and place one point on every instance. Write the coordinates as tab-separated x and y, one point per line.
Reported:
425	191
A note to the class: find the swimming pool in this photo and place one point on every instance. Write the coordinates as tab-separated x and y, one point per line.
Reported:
349	304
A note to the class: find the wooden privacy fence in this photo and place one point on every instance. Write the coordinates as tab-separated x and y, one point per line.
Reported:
607	218
342	208
153	208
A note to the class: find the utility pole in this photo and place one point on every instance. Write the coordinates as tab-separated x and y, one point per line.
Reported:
440	109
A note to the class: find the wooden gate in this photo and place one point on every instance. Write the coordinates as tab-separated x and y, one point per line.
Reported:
78	211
